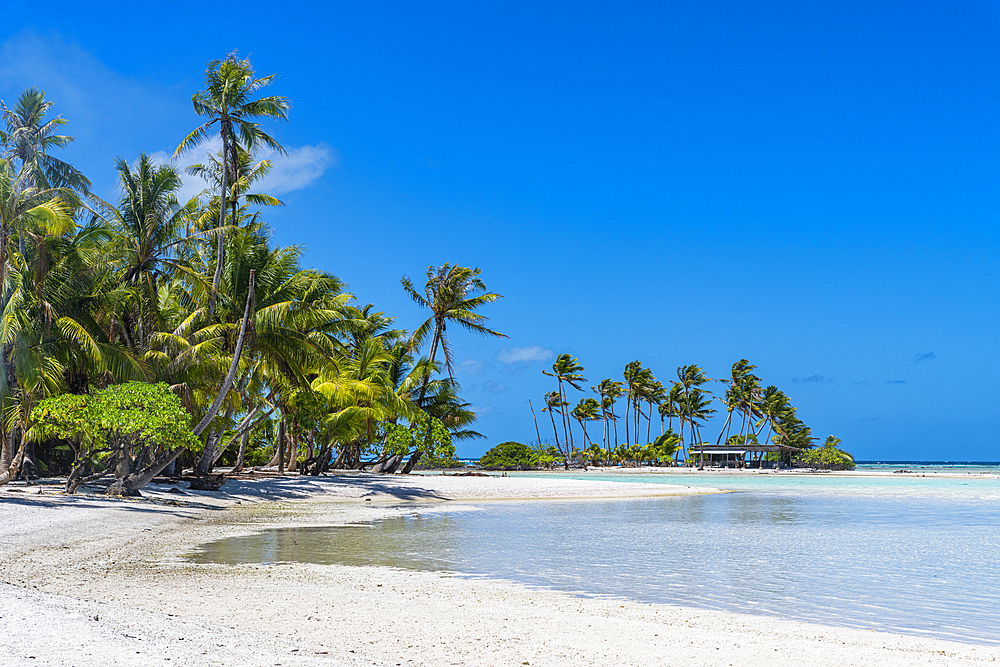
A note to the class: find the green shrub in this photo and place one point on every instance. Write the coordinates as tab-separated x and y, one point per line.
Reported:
431	462
508	456
827	457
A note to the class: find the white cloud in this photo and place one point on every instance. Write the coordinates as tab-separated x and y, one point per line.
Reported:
294	171
191	185
115	115
298	169
518	355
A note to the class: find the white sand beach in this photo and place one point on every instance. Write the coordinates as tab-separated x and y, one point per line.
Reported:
86	580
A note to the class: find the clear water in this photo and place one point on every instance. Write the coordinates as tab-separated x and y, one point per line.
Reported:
919	556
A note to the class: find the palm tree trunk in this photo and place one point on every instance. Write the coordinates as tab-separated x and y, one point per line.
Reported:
538	433
228	383
565	421
555	431
242	453
724	427
614	422
649	419
220	246
10	474
434	345
628	403
281	446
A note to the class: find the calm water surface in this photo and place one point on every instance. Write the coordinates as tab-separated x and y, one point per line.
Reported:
920	556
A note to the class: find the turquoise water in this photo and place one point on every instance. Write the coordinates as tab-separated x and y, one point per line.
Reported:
918	556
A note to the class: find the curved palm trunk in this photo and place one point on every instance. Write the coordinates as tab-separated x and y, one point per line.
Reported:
10	474
555	431
130	484
538	433
228	383
725	427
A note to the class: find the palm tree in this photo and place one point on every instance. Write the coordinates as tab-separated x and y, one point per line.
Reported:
567	370
586	410
632	380
244	173
553	403
452	293
226	100
29	137
608	390
690	378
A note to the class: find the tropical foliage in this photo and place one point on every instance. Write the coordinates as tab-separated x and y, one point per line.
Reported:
827	457
509	456
118	313
688	400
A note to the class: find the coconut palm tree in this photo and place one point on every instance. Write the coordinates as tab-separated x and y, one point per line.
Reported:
567	370
555	403
692	403
227	101
453	294
586	410
29	137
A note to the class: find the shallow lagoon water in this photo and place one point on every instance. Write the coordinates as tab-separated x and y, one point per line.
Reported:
920	556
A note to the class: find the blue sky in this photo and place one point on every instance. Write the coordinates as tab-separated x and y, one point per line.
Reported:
810	186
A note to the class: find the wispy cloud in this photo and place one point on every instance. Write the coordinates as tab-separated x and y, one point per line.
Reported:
519	355
300	168
115	115
471	367
896	382
924	356
494	387
863	383
95	99
812	379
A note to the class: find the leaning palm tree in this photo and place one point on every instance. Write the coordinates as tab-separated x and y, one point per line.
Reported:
567	370
554	403
586	410
227	100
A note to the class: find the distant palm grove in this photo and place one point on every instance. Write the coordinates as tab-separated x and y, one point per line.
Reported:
145	334
625	411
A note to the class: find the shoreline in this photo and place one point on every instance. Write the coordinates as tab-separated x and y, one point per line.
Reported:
70	559
784	472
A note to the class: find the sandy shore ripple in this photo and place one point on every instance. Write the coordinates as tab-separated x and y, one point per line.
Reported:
86	581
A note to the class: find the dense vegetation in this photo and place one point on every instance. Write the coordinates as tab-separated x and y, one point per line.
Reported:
191	311
148	333
687	400
827	457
